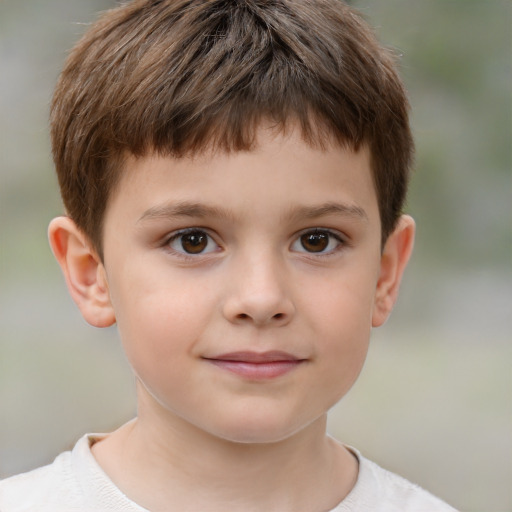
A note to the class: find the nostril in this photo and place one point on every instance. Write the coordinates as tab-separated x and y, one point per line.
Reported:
245	316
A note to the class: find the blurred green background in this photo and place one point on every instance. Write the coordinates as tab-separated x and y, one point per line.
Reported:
434	402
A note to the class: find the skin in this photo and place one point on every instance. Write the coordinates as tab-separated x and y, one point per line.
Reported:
284	255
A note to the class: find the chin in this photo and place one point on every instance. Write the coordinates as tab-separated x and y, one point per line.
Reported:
256	431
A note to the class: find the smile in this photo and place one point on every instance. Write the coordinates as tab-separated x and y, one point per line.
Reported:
257	366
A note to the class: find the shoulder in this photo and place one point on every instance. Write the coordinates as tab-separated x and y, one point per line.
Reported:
380	490
74	482
44	487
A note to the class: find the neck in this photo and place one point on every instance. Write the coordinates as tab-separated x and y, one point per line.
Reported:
157	462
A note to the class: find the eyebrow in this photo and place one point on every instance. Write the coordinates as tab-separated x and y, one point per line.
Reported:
330	208
184	209
199	210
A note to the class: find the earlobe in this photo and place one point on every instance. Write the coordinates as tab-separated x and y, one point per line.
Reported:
83	270
394	258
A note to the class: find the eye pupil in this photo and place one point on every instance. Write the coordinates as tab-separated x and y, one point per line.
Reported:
314	242
194	243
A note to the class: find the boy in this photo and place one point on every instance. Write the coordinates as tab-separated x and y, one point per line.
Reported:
233	173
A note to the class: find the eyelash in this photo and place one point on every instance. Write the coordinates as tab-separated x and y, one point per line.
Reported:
189	231
329	234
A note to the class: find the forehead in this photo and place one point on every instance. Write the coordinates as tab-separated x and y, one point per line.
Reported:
281	171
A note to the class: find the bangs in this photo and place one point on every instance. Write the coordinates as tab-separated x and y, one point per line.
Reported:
184	76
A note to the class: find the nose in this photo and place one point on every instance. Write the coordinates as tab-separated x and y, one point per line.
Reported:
259	294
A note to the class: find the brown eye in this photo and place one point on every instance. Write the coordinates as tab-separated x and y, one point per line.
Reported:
321	242
194	241
315	242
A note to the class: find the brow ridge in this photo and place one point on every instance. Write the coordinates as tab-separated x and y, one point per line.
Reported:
199	210
329	208
184	209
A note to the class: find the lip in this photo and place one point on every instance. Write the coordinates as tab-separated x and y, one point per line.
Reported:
257	365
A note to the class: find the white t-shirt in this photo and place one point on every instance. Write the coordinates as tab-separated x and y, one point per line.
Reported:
75	482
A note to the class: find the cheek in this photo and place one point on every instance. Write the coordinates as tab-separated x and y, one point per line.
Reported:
157	326
343	354
344	305
342	321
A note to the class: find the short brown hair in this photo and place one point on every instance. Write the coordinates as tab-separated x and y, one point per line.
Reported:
178	76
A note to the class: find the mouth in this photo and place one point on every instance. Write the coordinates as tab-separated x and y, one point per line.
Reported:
257	365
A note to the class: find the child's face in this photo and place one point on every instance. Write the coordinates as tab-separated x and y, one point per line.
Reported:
244	284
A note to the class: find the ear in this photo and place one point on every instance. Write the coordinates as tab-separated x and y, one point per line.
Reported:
84	273
394	258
